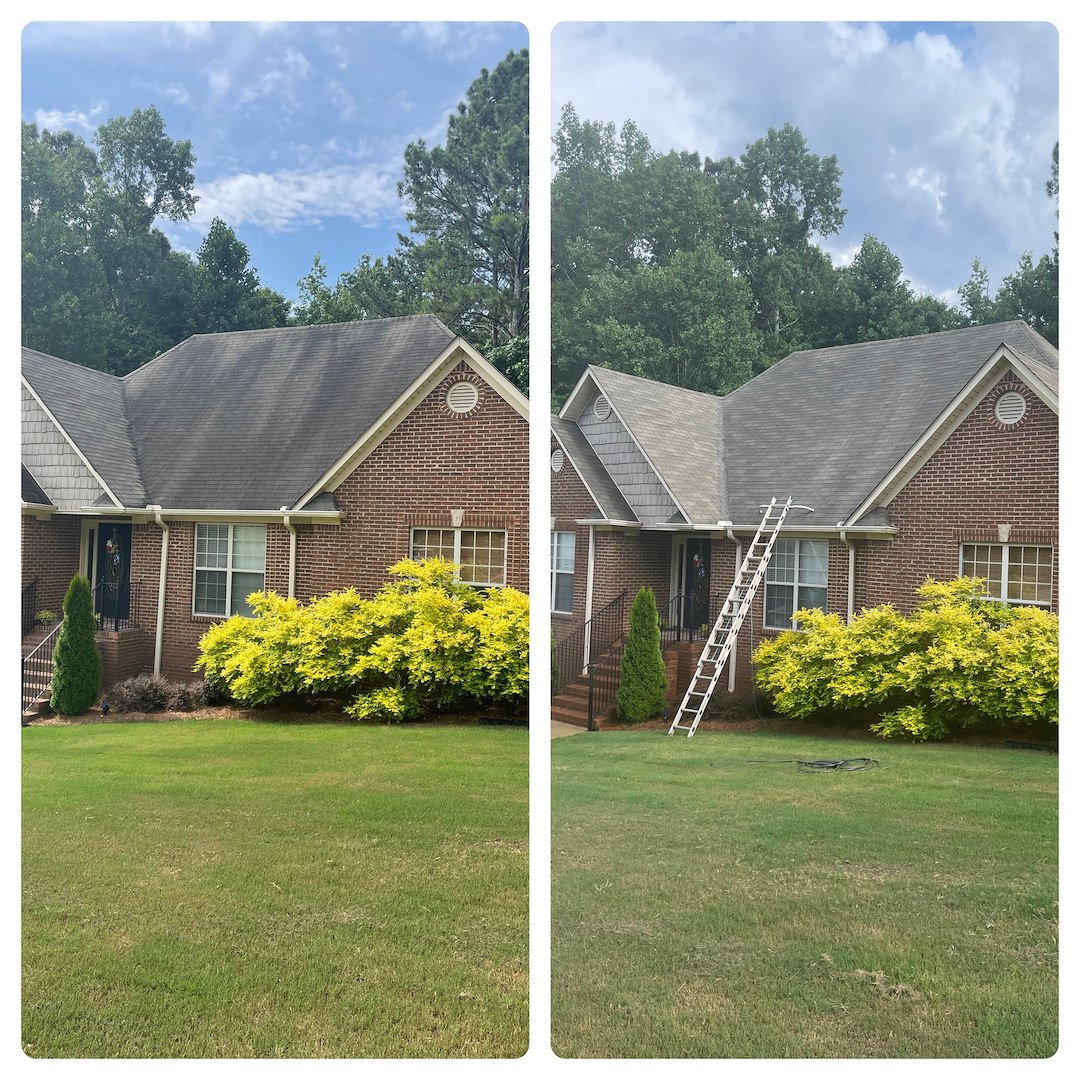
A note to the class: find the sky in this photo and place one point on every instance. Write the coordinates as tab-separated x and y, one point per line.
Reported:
299	129
944	131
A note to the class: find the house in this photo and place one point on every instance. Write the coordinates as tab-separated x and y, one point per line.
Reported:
300	460
925	456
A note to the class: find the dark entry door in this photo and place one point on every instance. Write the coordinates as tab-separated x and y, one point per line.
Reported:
112	585
696	584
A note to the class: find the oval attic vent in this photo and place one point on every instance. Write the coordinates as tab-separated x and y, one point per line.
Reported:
1010	407
461	397
601	408
557	460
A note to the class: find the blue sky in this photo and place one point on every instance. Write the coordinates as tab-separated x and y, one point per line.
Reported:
943	131
299	129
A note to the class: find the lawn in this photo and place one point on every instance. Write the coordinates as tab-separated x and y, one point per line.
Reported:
704	906
217	888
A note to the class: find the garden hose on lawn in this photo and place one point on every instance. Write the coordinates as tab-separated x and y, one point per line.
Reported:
822	764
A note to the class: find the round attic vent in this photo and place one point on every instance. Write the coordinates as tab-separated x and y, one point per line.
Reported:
461	397
601	408
558	459
1010	408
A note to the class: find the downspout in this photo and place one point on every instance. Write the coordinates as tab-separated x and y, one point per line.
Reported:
589	592
850	574
735	644
292	554
160	633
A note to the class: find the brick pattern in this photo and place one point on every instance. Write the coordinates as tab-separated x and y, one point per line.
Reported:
571	502
984	476
435	462
50	552
124	653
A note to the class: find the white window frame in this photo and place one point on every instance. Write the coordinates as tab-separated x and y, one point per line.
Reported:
457	531
556	572
1003	586
796	585
228	569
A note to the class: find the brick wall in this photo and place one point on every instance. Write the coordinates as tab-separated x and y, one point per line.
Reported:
50	552
570	502
985	475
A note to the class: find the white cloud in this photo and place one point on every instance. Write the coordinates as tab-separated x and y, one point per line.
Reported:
293	199
341	99
58	120
292	67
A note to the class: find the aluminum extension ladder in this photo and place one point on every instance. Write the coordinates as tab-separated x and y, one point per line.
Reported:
736	607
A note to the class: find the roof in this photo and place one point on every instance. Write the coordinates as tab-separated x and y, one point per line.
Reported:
605	493
824	426
89	406
247	420
32	492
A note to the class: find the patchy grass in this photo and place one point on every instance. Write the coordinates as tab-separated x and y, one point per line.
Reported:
228	889
708	907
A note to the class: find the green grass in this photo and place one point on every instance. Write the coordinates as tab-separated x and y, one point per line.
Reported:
707	907
234	889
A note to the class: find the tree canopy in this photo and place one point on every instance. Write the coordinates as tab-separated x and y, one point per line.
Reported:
701	272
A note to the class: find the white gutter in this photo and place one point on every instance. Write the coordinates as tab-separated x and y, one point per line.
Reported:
850	574
292	554
161	587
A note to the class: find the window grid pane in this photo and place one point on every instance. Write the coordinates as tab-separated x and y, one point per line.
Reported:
221	586
210	588
480	554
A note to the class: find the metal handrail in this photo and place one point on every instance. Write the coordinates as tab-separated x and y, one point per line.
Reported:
37	668
29	606
595	638
106	594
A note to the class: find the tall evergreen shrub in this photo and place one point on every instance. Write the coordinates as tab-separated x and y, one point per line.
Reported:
76	663
643	683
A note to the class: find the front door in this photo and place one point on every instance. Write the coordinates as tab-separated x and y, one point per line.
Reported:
696	578
111	571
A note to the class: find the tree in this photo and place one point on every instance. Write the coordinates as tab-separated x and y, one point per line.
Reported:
227	291
685	322
76	663
775	199
469	201
643	680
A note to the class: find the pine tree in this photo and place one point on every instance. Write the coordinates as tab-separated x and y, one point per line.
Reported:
76	663
643	683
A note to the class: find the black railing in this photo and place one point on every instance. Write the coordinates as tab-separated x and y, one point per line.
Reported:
117	606
574	654
687	619
29	606
604	677
37	669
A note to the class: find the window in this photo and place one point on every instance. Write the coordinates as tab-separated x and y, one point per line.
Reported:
480	553
562	571
797	577
1014	573
230	563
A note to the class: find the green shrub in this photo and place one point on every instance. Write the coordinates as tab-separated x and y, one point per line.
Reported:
76	663
957	660
643	680
424	643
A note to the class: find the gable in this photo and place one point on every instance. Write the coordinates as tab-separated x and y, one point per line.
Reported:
491	418
53	462
1004	374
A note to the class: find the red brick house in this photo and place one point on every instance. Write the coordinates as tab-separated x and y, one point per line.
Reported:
927	456
302	460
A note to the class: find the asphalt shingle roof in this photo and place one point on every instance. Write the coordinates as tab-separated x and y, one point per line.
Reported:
824	426
248	420
32	491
